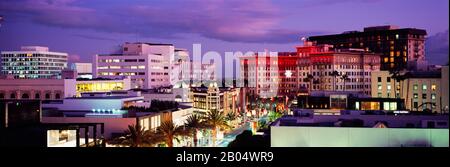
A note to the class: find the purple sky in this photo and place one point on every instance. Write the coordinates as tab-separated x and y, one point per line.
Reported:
87	27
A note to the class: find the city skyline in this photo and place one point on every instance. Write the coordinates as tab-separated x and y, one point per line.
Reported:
84	29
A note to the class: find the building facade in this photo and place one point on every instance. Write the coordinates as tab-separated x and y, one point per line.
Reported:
33	62
84	70
399	48
311	68
420	90
147	64
42	89
101	85
213	97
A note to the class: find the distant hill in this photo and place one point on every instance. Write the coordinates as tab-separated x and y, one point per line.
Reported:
437	48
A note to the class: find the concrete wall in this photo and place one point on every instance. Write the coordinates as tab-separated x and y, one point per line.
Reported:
112	125
284	136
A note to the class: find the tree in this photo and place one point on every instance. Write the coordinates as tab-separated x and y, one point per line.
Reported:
169	131
136	136
345	78
309	78
398	75
193	123
215	120
334	74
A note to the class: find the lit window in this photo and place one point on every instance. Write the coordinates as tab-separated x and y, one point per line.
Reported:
416	95
433	96
396	36
386	59
415	87
424	87
141	67
389	87
433	87
391	53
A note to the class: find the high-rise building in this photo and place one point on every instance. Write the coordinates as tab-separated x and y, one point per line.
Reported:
148	64
212	97
33	62
400	48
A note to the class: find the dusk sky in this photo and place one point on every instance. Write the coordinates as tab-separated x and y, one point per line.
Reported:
84	28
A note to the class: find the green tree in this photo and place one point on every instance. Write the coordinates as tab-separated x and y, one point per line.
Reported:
136	136
194	123
169	131
345	78
215	120
334	74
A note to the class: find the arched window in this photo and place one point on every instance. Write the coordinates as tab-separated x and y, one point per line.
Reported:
47	96
12	96
57	96
37	96
25	96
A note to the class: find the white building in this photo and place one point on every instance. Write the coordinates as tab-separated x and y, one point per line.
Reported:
148	64
84	70
33	62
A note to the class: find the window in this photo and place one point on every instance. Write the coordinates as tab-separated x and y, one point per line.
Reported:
379	94
25	96
433	96
12	96
416	95
416	104
388	79
2	96
433	87
57	96
415	87
424	87
424	96
47	96
379	79
389	87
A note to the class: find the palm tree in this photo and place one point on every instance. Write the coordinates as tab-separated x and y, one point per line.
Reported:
215	120
169	131
334	74
136	136
345	78
310	78
193	123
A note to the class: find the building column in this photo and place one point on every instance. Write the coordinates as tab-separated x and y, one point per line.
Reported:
77	138
86	136
95	135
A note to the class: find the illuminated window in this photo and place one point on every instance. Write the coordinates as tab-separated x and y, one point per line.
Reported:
396	36
133	67
391	53
386	59
116	60
392	59
424	87
141	67
389	87
433	96
114	67
379	87
370	106
415	87
398	53
416	96
433	87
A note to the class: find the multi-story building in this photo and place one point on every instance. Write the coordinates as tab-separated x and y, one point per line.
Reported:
399	48
214	98
421	90
185	70
33	62
259	74
148	64
318	63
311	68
